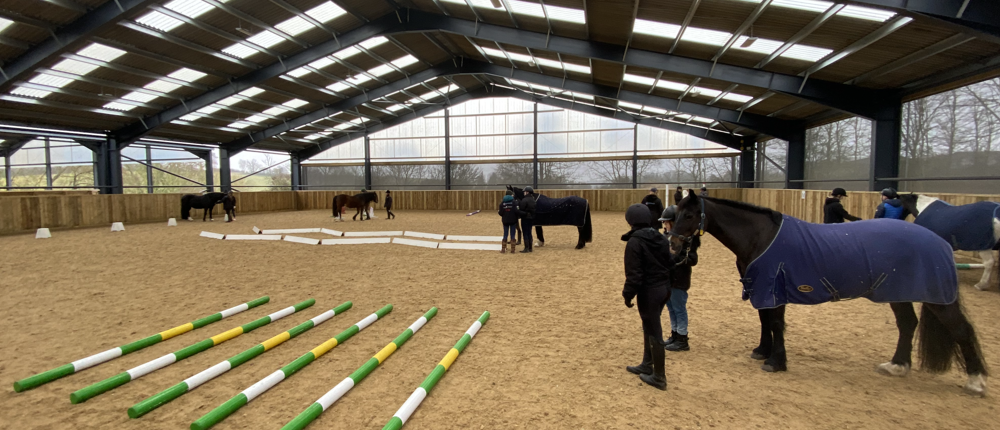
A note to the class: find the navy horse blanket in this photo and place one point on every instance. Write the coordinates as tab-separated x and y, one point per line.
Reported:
967	227
882	260
570	210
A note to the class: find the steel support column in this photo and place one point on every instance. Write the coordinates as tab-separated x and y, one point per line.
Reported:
795	160
48	165
368	163
149	170
887	130
635	156
296	168
109	167
225	174
6	170
747	165
447	151
209	172
534	152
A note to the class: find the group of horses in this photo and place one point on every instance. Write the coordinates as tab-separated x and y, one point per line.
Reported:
784	260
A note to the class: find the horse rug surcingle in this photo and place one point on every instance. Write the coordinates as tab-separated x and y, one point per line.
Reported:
967	227
882	260
570	210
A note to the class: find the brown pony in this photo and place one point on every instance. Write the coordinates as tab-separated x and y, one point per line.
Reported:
360	202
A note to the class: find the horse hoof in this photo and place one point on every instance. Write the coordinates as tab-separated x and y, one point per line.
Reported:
982	287
758	356
772	368
580	246
541	244
891	369
976	386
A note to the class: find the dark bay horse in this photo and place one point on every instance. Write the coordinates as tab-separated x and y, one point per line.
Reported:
205	201
971	227
570	210
784	260
360	202
229	205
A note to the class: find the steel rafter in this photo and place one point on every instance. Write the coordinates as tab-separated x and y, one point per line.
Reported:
980	15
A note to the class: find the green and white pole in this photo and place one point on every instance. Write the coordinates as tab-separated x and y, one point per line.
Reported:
234	404
111	354
425	388
312	412
969	266
134	373
165	396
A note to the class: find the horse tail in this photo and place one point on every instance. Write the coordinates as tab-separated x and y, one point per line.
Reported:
587	231
336	205
938	344
186	206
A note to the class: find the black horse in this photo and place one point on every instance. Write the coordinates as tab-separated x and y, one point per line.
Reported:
572	210
205	201
229	205
785	260
360	201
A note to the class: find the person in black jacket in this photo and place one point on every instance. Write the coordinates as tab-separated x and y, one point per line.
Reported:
655	205
508	216
229	205
647	278
680	282
388	205
678	195
526	209
833	210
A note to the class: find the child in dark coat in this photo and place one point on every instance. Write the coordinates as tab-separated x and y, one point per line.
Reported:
680	282
509	216
388	205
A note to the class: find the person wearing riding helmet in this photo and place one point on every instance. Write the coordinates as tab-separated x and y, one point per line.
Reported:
526	209
833	210
890	207
647	278
678	195
655	205
680	283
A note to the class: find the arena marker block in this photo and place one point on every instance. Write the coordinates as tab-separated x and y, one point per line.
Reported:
356	241
172	222
331	232
83	363
117	226
211	235
304	240
234	404
312	412
969	266
43	233
371	233
418	396
412	242
291	230
165	396
256	230
134	373
423	235
475	238
472	246
253	237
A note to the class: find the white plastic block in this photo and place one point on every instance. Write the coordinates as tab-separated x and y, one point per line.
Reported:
423	235
256	230
43	233
117	226
471	246
476	238
172	222
356	241
331	232
375	233
411	242
253	237
212	235
291	230
304	240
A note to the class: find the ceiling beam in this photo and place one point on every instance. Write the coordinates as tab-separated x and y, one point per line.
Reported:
805	31
68	4
684	25
70	37
855	100
980	15
136	130
883	31
908	60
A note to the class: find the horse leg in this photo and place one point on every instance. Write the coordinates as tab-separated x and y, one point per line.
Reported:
763	350
541	237
961	333
988	262
778	361
518	227
906	322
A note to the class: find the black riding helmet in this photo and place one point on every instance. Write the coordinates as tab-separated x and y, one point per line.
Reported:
839	192
669	213
890	193
638	215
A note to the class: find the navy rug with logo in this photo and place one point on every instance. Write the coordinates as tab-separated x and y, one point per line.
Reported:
966	227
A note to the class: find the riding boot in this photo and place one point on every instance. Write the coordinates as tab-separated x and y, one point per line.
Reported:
680	344
527	248
673	336
658	378
513	247
503	247
644	368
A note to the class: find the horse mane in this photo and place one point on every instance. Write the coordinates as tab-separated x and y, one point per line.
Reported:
773	214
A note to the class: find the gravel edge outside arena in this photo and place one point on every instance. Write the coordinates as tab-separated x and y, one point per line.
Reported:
553	355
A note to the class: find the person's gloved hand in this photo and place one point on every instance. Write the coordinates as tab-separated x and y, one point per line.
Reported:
628	303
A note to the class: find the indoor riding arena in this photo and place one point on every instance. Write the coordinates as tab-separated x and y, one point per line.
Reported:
497	214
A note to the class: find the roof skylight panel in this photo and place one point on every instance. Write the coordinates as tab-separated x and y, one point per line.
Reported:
75	67
50	80
140	97
627	105
266	39
321	63
159	21
208	110
240	125
295	103
373	42
382	70
4	23
295	26
187	75
258	118
636	79
161	86
30	92
229	101
325	12
119	106
819	6
300	72
347	52
240	50
405	61
654	28
315	136
101	52
190	117
250	92
805	52
559	13
189	8
395	108
670	85
655	111
338	87
275	111
866	13
708	37
739	98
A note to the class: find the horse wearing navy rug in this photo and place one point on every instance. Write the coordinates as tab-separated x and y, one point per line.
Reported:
570	210
206	201
783	260
971	227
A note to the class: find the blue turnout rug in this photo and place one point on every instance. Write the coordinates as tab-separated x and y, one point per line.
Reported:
882	260
967	227
570	210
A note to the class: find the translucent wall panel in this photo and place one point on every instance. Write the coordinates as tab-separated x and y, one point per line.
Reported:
493	176
261	171
837	155
688	172
585	174
333	177
952	134
134	178
407	149
487	106
3	177
181	163
30	177
772	158
349	152
408	177
653	141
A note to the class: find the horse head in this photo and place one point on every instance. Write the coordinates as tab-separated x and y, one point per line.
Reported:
687	220
518	192
909	202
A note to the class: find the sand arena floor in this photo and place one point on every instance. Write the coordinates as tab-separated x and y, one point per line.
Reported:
552	356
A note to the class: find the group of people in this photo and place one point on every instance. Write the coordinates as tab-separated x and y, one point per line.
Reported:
656	278
512	211
834	212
